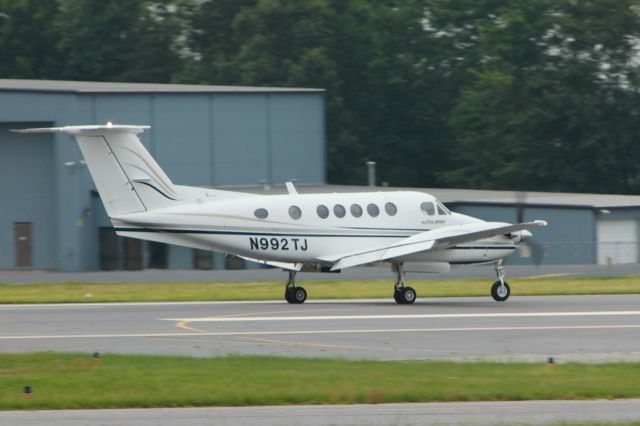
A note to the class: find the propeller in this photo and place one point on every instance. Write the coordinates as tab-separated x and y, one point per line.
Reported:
536	249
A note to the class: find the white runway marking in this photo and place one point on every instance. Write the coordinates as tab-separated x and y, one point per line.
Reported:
407	316
311	332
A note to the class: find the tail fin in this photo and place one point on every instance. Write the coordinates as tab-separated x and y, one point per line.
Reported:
127	178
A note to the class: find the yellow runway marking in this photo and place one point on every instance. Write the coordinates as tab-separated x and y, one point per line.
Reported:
183	325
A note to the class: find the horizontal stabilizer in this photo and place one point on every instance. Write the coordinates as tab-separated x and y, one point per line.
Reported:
86	130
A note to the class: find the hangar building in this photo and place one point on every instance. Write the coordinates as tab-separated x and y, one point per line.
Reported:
50	215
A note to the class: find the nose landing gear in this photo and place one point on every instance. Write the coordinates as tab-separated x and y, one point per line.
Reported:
293	294
500	290
401	294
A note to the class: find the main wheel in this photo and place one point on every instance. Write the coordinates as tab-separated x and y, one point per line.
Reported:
407	296
500	293
397	296
296	295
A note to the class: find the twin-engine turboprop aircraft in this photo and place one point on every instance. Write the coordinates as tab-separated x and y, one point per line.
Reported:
412	231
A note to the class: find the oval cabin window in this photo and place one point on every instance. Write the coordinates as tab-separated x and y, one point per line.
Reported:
373	210
339	210
356	210
391	209
261	213
323	211
295	212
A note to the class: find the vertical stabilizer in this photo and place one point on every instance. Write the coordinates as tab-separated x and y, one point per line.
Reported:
127	178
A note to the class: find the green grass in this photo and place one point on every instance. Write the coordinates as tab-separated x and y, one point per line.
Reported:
198	291
78	381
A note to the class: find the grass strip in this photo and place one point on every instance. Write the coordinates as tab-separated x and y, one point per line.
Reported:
203	291
67	381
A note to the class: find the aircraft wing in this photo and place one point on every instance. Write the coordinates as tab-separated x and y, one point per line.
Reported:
443	237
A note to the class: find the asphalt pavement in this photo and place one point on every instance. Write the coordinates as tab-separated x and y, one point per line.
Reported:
450	413
568	328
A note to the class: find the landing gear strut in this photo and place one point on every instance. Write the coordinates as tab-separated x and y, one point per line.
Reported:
500	290
401	294
293	294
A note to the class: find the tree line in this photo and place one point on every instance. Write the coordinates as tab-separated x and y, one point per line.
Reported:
524	94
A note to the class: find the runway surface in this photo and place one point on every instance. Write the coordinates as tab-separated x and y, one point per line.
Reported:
580	328
465	413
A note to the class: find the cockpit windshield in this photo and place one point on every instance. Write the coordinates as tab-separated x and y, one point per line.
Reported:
442	210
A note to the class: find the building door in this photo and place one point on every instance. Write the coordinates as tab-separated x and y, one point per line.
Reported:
202	259
22	243
109	249
158	255
132	254
617	241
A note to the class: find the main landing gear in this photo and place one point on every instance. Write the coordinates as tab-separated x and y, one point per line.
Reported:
293	294
401	294
500	290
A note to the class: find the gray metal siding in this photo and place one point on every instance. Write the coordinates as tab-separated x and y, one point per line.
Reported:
181	135
241	141
297	137
27	189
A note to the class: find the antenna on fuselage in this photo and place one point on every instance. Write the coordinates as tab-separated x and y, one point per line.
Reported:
290	188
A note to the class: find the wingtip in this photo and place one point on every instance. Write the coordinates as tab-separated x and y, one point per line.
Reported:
542	222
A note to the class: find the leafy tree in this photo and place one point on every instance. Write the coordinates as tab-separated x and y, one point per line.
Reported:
28	38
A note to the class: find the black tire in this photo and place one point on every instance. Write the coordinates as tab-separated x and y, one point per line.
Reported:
397	296
298	295
408	295
288	295
498	294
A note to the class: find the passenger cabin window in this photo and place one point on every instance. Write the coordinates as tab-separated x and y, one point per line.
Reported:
428	208
356	210
295	213
339	210
323	211
373	210
261	213
391	209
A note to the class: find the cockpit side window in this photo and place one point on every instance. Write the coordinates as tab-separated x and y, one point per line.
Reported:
427	208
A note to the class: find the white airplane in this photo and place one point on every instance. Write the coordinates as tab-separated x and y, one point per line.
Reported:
412	231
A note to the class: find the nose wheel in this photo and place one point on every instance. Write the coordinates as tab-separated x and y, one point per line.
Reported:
500	290
402	294
292	293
